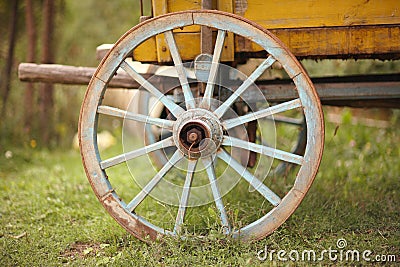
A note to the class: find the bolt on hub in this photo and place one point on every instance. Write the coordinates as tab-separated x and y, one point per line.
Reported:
197	133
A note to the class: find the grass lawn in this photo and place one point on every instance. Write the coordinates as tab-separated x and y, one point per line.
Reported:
49	215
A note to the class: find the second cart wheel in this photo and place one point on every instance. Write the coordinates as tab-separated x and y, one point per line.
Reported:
201	185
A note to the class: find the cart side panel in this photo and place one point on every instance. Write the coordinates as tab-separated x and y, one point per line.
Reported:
273	14
313	29
378	42
187	39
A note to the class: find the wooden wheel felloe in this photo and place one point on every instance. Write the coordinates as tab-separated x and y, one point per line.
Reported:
201	133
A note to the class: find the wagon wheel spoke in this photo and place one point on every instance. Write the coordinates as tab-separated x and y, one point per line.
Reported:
209	165
154	181
251	179
262	149
185	196
220	111
136	153
228	124
208	94
189	100
174	108
116	112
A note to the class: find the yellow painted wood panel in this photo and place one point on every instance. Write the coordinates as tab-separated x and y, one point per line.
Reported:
274	14
161	7
228	53
342	42
147	51
308	28
297	13
188	46
180	5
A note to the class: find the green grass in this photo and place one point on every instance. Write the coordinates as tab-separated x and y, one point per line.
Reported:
49	215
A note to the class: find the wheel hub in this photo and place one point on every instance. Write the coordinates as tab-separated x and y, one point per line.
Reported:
197	133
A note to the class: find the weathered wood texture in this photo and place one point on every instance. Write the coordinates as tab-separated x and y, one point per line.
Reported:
330	91
53	73
377	42
275	14
323	13
62	74
310	29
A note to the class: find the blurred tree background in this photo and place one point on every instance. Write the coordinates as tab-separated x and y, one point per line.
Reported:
78	27
68	32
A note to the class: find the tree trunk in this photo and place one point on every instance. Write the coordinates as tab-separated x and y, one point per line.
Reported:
10	55
30	57
46	92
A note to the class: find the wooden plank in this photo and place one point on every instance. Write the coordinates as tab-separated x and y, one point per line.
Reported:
328	91
312	29
53	73
383	87
381	42
378	42
188	46
228	53
147	51
160	7
157	50
62	74
273	14
206	32
180	5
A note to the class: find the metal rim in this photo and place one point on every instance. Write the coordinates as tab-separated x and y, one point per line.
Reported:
308	100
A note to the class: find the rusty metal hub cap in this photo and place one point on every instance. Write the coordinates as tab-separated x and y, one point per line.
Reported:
197	133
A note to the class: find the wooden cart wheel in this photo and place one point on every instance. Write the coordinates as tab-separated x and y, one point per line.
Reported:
201	134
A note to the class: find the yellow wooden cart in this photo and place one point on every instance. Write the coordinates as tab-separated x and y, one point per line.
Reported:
218	155
218	123
310	29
